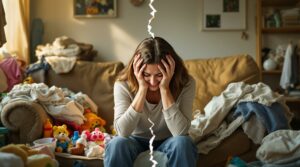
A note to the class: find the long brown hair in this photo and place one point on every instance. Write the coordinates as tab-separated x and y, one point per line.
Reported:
152	51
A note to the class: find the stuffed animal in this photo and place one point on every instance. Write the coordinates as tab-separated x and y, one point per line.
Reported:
48	128
81	143
87	133
113	130
62	135
93	121
98	137
94	150
28	80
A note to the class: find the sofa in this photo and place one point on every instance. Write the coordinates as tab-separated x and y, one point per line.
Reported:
96	79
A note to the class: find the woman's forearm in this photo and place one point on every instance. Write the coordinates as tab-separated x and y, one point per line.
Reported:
166	98
139	100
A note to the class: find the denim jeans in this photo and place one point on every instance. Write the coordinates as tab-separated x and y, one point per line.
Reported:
121	151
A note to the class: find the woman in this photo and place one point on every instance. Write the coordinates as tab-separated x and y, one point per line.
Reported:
155	85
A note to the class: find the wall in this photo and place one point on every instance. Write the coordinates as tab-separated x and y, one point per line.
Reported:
178	21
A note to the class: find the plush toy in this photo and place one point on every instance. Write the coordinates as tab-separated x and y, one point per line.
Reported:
62	135
93	121
48	128
107	138
28	80
94	150
87	133
98	137
75	137
113	130
30	157
81	143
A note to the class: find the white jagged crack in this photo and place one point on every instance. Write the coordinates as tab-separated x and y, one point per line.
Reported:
150	20
154	163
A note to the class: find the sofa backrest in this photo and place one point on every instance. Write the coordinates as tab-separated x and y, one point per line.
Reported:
214	74
96	79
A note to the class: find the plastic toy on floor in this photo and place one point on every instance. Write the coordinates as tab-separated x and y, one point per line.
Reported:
235	162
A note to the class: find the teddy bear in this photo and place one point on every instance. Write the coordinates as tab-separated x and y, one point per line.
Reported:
93	121
62	135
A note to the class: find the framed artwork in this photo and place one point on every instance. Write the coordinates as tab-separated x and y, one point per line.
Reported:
95	8
224	15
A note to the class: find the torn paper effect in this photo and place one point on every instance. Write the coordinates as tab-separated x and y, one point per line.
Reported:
150	20
154	163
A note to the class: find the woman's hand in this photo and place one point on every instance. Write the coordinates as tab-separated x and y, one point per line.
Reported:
138	69
167	73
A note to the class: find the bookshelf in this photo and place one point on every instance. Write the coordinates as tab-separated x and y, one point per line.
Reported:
270	35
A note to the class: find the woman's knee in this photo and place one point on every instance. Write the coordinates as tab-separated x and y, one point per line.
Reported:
181	143
119	143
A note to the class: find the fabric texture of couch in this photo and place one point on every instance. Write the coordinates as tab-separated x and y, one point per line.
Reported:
96	79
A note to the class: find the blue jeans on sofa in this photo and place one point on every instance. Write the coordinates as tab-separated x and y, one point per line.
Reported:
180	151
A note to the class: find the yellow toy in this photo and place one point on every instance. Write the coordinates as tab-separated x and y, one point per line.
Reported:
113	131
28	80
48	128
93	121
62	135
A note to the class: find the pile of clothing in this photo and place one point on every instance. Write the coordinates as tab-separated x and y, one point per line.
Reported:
64	52
255	108
11	72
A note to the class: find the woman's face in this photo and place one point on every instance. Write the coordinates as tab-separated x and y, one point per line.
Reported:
152	76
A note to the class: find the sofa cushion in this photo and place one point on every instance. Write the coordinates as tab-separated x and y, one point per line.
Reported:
96	79
213	75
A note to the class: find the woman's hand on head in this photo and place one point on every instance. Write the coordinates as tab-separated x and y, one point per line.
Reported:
138	68
167	72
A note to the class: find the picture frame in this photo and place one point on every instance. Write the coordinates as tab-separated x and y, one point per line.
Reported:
224	15
95	8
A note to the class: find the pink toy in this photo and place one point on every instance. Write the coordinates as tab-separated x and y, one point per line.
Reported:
87	133
98	137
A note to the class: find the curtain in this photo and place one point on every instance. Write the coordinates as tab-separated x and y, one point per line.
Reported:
2	24
17	27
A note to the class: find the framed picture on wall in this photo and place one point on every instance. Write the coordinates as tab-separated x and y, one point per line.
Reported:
95	8
224	15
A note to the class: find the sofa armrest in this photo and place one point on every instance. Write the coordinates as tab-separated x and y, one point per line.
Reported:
95	79
24	119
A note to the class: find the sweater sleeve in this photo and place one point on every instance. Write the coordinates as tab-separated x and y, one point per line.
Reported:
178	117
125	117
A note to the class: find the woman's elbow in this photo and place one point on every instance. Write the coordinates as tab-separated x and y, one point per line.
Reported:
122	131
